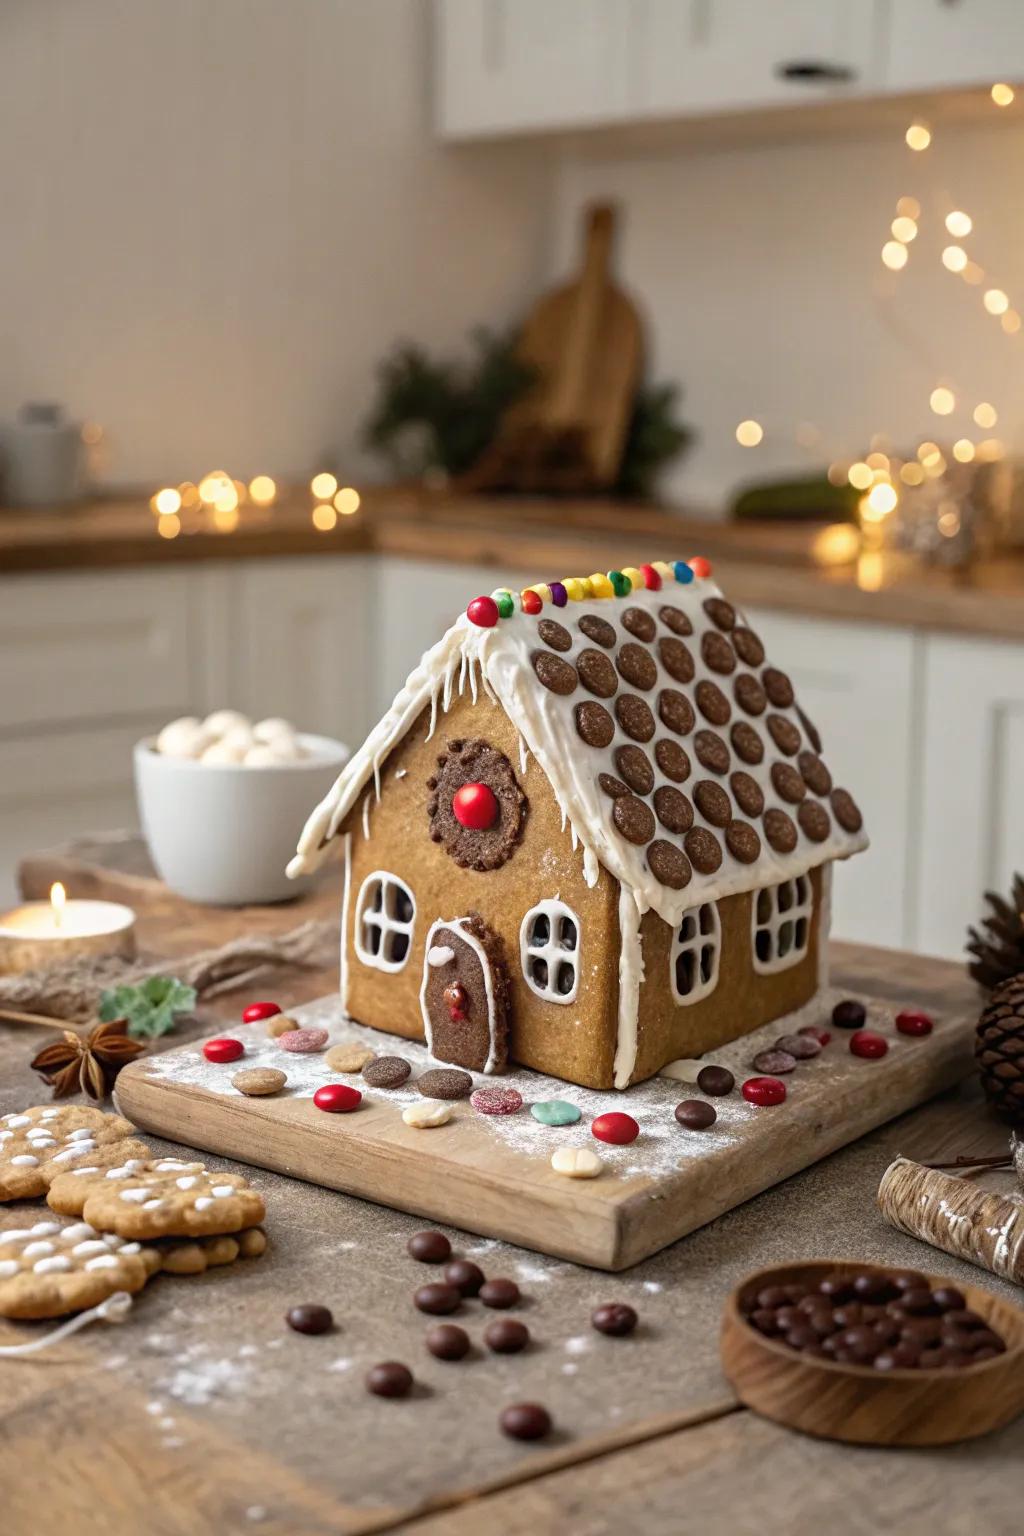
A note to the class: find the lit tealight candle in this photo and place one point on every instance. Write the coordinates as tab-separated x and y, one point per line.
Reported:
44	933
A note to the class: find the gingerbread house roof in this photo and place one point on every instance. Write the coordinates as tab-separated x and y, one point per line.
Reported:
678	756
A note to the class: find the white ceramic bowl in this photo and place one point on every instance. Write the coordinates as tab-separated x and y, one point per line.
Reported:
222	834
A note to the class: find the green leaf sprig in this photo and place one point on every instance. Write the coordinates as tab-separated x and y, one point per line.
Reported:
150	1007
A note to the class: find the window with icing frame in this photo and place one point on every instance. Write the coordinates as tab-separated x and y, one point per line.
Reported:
549	947
385	916
696	953
782	924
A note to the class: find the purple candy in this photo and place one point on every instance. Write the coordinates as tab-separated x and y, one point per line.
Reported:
559	596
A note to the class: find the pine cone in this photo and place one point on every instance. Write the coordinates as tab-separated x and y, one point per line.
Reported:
998	949
1000	1050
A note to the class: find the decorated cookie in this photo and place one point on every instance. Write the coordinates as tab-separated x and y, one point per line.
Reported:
69	1191
39	1143
194	1258
167	1201
49	1268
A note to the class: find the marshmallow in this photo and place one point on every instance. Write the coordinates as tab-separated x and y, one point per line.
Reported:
185	737
224	720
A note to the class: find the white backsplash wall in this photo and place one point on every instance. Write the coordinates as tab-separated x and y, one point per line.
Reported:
218	214
759	275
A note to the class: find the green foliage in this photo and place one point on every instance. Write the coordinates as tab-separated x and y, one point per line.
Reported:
150	1007
655	437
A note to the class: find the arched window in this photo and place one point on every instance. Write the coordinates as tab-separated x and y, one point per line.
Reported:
549	947
385	913
782	924
696	951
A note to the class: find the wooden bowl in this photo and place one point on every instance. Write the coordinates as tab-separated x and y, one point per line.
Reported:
858	1404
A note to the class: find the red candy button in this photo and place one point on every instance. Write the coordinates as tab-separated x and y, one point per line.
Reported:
615	1127
257	1011
652	578
223	1050
483	611
699	566
337	1098
496	1101
763	1090
913	1022
823	1036
864	1042
475	806
532	602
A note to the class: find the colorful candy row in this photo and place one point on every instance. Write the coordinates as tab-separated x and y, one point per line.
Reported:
502	604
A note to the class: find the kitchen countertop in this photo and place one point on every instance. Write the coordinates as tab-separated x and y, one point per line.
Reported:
791	567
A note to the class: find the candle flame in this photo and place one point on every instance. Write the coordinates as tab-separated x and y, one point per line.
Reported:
58	900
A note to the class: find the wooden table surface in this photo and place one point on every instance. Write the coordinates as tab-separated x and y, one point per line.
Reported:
204	1414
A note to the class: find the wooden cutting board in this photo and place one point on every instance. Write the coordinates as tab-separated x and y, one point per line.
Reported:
492	1176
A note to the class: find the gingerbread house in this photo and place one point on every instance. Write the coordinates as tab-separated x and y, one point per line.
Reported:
593	834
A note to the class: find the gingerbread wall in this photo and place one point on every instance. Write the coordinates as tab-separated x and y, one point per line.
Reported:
742	1000
576	1040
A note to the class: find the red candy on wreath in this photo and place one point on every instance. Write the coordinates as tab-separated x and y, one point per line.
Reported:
615	1127
223	1050
475	806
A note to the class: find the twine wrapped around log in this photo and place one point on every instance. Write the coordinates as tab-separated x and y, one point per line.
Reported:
957	1216
72	992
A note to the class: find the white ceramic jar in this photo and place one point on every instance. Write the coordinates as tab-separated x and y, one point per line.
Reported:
222	833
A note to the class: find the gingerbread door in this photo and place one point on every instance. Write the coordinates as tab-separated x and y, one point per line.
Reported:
464	995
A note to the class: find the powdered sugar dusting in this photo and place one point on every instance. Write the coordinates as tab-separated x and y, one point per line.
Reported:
200	1381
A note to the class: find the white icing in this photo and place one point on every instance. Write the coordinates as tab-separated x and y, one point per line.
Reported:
440	954
24	1160
631	974
91	1245
38	1249
8	1267
345	901
82	1134
384	920
222	1191
778	918
136	1196
126	1170
59	1264
77	1230
552	951
49	1114
186	1181
366	818
203	1203
458	925
703	933
79	1173
17	1119
152	1205
104	1261
127	1248
400	773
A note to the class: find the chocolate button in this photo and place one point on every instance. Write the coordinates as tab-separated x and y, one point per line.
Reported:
676	711
499	1293
669	865
810	730
429	1247
635	767
309	1317
712	702
672	760
788	783
634	819
637	666
525	1421
747	646
851	1014
780	831
389	1379
774	1062
466	1276
717	1081
437	1298
634	716
554	673
784	734
596	673
718	654
445	1083
554	634
720	612
846	813
673	809
506	1336
639	624
816	775
749	694
676	659
598	630
447	1341
814	821
614	1318
675	619
386	1071
612	786
747	792
703	850
742	841
594	724
778	687
696	1114
711	751
712	802
747	742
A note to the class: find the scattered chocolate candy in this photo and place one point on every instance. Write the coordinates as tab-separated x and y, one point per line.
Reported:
499	1294
386	1071
257	1011
437	1299
913	1022
774	1062
614	1317
429	1247
616	1128
466	1277
223	1050
448	1341
849	1014
823	1036
445	1083
389	1379
696	1114
309	1317
496	1101
867	1044
763	1091
525	1421
803	1047
716	1081
506	1336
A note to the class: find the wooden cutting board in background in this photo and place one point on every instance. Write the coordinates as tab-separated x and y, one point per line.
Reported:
584	342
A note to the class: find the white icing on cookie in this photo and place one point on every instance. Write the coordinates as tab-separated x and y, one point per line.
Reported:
105	1261
91	1245
24	1160
136	1196
8	1267
76	1231
222	1191
186	1182
203	1202
58	1265
38	1249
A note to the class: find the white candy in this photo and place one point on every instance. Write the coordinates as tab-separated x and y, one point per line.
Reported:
262	757
576	1162
427	1113
224	720
684	1070
183	738
223	752
272	727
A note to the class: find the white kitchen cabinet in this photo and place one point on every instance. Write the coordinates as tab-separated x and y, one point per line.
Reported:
859	683
698	56
513	66
971	801
935	44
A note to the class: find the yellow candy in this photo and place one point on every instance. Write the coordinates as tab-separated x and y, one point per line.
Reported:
635	576
575	589
542	590
600	586
664	569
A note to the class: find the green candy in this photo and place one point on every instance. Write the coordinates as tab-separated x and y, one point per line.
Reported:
622	584
555	1112
506	604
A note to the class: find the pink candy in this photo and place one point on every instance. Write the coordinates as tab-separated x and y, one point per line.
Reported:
303	1041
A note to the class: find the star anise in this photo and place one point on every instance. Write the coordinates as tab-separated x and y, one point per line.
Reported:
87	1063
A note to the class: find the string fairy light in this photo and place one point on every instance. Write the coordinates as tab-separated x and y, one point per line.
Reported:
904	228
1002	94
959	223
942	401
995	301
749	433
894	255
918	137
954	258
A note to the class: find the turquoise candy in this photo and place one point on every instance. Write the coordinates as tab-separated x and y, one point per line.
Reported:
555	1112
